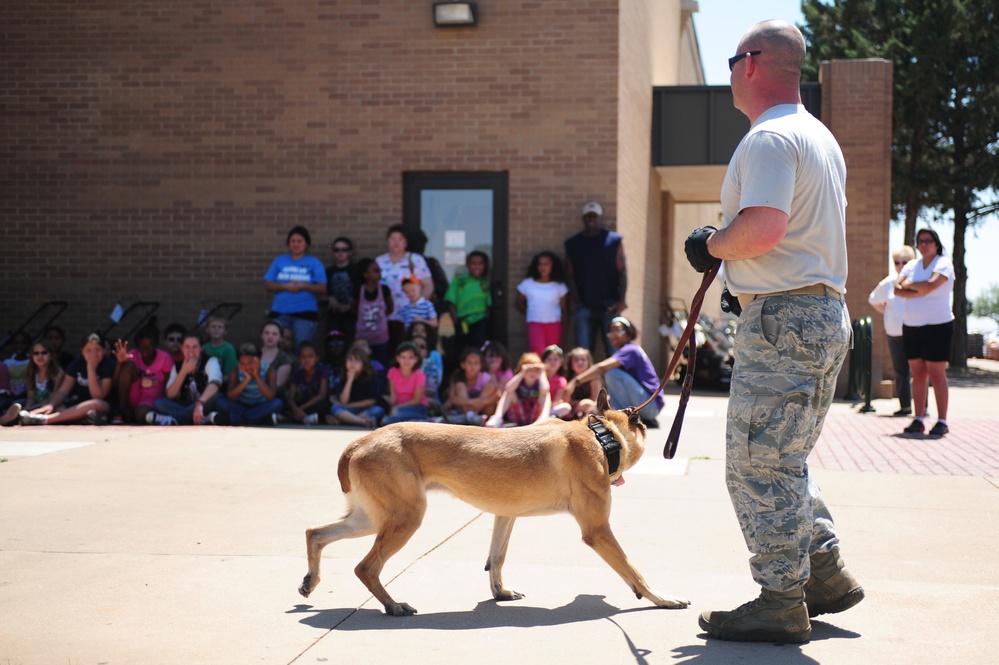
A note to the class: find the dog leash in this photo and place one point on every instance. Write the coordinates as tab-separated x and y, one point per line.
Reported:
690	339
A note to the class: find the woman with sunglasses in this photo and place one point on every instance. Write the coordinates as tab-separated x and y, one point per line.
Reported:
928	326
883	299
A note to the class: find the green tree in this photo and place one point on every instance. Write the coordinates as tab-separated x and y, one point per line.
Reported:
945	111
987	303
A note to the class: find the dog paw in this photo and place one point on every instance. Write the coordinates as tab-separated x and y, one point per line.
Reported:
307	586
507	594
399	610
672	603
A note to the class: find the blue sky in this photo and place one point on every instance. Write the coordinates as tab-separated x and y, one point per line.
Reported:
720	24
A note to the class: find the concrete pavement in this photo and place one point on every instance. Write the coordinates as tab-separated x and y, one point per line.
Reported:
169	545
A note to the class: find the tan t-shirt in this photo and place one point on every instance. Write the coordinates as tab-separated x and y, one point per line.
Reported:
790	161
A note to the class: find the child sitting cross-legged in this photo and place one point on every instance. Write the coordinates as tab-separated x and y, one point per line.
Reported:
472	394
407	386
358	401
250	399
308	387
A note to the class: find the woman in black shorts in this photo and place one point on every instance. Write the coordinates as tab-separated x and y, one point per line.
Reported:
927	326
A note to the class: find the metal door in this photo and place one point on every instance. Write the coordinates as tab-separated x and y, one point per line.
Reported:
459	213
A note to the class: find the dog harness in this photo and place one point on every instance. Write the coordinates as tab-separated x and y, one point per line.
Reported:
611	446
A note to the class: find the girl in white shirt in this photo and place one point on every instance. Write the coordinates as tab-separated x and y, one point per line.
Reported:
542	297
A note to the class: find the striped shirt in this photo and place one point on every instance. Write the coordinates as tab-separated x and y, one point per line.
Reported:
422	307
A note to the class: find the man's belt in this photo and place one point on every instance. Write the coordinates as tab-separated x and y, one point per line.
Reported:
810	290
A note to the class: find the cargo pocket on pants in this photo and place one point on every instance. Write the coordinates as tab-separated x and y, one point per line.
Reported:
772	418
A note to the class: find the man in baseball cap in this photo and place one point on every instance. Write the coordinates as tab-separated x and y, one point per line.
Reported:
598	278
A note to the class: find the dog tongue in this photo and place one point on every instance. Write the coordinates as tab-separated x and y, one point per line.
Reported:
618	482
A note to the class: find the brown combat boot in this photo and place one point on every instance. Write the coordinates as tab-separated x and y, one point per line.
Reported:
776	616
830	587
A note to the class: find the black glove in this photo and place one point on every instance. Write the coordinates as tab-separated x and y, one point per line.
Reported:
696	247
729	303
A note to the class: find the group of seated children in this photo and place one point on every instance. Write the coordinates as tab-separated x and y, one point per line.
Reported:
193	380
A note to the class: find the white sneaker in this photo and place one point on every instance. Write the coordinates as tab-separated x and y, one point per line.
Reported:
33	419
311	419
495	422
277	418
154	418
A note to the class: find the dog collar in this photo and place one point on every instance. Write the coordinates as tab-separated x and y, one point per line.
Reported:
611	446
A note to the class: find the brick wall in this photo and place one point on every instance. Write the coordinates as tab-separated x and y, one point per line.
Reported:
856	106
161	151
636	215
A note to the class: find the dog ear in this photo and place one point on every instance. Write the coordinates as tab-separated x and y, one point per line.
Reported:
633	417
603	403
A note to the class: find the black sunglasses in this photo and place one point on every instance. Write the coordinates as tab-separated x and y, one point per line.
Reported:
736	58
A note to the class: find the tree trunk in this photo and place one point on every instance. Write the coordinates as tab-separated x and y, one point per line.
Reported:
959	347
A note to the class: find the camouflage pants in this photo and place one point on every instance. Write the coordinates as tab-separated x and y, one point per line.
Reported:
788	353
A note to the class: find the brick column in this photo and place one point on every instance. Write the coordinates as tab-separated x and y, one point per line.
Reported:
856	106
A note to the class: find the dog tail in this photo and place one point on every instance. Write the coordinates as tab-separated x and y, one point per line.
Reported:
343	468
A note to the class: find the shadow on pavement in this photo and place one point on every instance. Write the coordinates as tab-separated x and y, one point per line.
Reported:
487	614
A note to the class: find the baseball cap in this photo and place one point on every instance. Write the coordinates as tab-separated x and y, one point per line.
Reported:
594	207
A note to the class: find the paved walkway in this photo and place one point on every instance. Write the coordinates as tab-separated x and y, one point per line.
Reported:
869	442
185	545
855	441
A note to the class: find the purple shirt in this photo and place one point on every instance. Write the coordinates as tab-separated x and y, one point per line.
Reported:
634	361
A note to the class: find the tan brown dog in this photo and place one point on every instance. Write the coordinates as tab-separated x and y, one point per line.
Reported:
544	468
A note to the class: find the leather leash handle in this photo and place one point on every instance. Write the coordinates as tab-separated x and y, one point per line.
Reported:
688	381
669	450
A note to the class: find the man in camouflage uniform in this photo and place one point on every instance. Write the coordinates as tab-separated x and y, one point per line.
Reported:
784	247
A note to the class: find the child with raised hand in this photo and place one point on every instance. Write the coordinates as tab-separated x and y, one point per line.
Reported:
469	298
472	394
250	399
359	397
45	376
374	305
308	387
417	309
141	376
216	329
526	397
407	386
542	297
582	401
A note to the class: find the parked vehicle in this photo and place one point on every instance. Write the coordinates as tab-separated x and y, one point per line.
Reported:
714	341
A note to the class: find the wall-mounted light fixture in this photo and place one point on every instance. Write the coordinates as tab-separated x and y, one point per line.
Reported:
455	14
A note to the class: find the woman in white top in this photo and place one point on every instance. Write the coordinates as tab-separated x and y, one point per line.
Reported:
543	299
883	299
927	326
396	264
